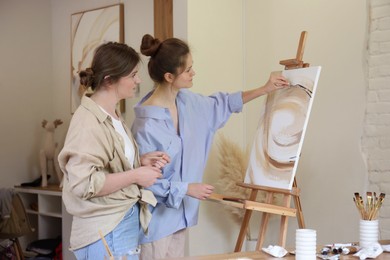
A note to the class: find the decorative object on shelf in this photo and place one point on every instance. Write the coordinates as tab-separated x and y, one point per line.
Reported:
50	152
35	183
89	30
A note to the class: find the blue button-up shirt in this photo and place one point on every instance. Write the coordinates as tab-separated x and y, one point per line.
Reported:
199	118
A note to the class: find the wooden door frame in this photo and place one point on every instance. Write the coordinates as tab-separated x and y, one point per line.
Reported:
163	19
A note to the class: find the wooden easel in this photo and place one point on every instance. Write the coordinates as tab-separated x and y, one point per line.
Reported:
297	62
250	204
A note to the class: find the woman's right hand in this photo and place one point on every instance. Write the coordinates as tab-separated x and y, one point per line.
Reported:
157	159
199	191
146	176
276	81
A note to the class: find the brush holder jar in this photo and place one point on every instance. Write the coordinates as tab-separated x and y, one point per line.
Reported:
305	244
369	232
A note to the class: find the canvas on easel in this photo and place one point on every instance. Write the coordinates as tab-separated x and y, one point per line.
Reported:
276	151
279	137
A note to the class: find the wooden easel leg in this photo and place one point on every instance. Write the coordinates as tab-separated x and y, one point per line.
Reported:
245	223
263	224
297	202
262	231
284	210
284	222
301	221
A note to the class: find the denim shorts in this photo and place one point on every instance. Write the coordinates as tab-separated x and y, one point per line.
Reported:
123	240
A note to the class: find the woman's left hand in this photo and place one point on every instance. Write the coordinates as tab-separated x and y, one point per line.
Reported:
155	159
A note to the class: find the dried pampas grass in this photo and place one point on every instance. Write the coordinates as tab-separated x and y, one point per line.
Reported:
232	167
233	162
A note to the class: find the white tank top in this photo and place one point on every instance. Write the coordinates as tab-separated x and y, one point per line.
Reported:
129	146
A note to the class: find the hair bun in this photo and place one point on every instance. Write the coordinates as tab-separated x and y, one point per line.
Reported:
86	77
149	45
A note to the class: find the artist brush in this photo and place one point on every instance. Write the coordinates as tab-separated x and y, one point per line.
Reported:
378	205
359	204
369	209
358	199
374	206
111	257
369	204
358	207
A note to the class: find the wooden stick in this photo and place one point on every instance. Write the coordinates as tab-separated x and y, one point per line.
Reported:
106	246
301	45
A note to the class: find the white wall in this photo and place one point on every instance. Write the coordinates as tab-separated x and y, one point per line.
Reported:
331	168
35	74
138	21
26	84
215	37
376	134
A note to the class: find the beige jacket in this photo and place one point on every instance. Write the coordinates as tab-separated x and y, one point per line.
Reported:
93	149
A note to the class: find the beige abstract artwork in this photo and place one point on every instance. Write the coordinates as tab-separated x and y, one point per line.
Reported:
280	134
89	30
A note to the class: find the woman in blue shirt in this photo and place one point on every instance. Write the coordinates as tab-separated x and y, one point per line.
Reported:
173	119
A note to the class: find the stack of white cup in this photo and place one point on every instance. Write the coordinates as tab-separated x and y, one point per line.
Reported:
305	244
369	232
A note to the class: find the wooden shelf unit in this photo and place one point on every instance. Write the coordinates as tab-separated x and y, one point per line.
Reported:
47	215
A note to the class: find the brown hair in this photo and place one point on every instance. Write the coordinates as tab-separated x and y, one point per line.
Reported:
167	56
111	61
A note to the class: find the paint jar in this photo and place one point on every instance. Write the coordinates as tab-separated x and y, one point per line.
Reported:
305	244
369	232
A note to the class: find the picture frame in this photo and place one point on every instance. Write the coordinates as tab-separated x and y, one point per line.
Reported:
89	29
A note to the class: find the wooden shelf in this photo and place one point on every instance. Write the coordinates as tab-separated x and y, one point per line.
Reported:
47	215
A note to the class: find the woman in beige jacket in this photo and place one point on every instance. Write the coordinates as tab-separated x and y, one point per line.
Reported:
103	180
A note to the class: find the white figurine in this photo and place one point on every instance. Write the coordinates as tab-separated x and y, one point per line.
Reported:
50	151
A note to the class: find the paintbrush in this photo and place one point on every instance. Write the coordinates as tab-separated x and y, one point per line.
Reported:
361	202
111	257
378	204
369	204
368	210
359	205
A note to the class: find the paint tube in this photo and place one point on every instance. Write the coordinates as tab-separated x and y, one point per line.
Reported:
349	250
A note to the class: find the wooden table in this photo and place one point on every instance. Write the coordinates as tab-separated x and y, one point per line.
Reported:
261	255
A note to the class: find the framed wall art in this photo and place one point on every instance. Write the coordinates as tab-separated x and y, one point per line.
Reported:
89	29
280	133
